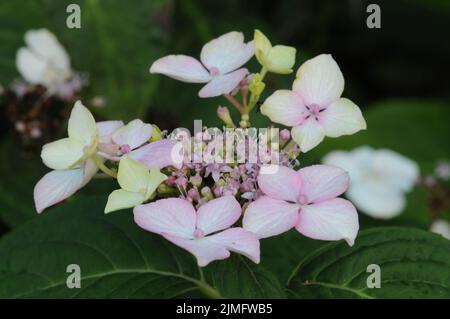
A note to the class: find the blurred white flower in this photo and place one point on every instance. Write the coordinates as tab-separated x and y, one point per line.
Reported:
441	227
43	61
379	179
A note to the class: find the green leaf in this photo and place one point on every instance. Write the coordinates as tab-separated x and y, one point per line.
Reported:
19	173
414	264
281	253
117	260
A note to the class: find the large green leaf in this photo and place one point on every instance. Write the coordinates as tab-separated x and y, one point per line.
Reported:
414	264
117	259
19	173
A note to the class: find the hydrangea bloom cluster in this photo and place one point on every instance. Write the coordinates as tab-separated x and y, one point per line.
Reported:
221	190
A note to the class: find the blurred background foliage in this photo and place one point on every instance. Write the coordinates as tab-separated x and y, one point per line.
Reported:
397	74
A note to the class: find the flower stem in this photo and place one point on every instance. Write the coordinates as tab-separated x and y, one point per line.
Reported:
98	161
253	97
289	145
233	101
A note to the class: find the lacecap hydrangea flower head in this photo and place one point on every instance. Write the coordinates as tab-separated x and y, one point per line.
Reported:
221	190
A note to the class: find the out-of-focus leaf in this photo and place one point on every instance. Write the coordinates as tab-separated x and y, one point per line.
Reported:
116	44
19	173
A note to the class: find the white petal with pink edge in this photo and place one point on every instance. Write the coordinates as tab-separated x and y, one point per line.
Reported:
172	216
227	52
322	182
181	67
342	117
308	135
240	241
268	217
106	129
56	186
223	84
218	214
284	107
334	219
161	153
134	134
283	183
204	250
319	80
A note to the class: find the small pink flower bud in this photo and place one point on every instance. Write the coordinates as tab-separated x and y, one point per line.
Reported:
181	181
218	191
125	149
285	135
193	194
171	180
224	114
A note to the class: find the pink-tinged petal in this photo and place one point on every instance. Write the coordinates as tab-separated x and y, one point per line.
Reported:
218	214
240	241
172	216
134	134
223	84
284	184
284	107
319	80
334	219
181	67
308	135
108	156
342	117
268	217
204	250
56	186
106	129
161	153
322	182
227	52
89	170
376	198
